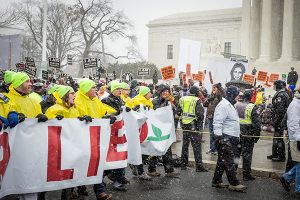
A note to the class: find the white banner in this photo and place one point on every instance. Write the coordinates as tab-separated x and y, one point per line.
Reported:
52	155
189	53
158	133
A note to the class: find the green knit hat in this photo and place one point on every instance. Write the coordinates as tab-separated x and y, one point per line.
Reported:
85	85
8	76
19	78
144	90
125	86
115	85
52	88
63	90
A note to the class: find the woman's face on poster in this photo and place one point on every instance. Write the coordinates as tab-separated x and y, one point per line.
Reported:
237	73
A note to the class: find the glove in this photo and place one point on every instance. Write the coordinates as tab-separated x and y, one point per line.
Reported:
13	118
86	118
22	117
218	141
298	145
136	108
59	117
112	119
4	122
42	118
127	109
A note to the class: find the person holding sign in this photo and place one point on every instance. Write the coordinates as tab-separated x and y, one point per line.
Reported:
7	81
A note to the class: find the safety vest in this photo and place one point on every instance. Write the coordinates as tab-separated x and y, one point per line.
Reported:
247	114
188	106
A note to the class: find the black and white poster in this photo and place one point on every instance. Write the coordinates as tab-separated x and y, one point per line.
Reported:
143	72
45	75
30	62
90	63
54	62
238	69
20	67
30	71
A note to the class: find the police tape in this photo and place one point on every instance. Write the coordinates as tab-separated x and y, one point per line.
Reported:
247	136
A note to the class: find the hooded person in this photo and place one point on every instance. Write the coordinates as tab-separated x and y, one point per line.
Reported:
125	95
50	99
87	101
143	98
66	109
226	126
25	106
7	81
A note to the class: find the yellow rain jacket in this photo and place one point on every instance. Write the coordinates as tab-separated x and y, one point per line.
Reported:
259	98
127	101
62	110
36	97
24	104
93	108
57	98
5	108
139	99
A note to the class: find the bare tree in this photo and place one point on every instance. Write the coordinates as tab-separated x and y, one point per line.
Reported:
62	28
98	19
9	17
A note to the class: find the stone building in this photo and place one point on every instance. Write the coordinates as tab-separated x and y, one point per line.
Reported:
266	32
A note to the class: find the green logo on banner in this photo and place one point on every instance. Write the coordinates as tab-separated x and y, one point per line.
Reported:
158	135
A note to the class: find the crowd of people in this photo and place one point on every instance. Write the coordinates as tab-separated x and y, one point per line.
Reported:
235	118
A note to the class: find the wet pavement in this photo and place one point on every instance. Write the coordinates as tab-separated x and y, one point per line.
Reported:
190	185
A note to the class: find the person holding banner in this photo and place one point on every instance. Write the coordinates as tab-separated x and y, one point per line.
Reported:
50	99
125	95
22	103
227	132
163	100
192	114
115	102
88	104
143	98
38	92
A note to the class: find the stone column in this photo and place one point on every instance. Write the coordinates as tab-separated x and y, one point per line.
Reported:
266	31
245	28
288	31
255	29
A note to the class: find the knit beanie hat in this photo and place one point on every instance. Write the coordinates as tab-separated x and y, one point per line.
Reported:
85	85
19	78
115	85
8	76
125	86
63	90
144	90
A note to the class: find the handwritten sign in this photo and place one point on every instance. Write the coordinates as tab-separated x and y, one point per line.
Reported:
188	70
183	78
167	73
262	76
273	78
249	78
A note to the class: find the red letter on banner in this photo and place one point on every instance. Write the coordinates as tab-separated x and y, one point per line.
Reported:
113	154
54	171
143	132
6	153
95	150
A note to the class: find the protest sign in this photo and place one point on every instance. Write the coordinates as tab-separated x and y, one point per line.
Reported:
90	63
167	73
273	78
262	76
30	62
183	78
249	78
54	62
188	70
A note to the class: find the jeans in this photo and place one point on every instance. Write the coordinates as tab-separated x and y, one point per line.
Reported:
246	151
211	133
294	174
99	188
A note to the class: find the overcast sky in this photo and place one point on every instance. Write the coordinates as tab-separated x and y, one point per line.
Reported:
140	12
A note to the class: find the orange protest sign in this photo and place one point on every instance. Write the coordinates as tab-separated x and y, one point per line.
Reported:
167	73
273	78
201	74
249	78
188	70
183	78
262	76
198	77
